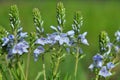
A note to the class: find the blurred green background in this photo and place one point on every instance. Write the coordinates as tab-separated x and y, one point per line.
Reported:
98	15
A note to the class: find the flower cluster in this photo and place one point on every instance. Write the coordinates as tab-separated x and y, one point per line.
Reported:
104	61
59	40
70	38
15	43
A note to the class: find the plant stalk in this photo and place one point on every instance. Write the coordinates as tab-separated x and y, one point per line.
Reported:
56	68
76	62
21	69
97	77
44	72
28	63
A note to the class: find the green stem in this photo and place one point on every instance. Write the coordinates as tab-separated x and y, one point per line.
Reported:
76	62
56	68
14	74
57	63
21	69
44	73
97	77
8	68
28	63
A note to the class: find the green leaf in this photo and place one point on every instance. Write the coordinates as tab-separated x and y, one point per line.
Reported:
38	75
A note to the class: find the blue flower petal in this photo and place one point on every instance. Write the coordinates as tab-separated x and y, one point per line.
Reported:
110	65
5	41
104	72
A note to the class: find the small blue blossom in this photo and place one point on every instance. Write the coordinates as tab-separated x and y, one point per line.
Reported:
117	35
62	38
11	37
117	48
51	38
98	60
72	42
20	48
41	41
38	51
95	65
83	39
104	72
98	57
5	41
110	65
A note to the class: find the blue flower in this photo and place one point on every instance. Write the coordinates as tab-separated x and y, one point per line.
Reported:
110	65
104	72
41	41
98	60
11	37
117	34
5	41
51	38
71	42
38	51
117	48
83	39
62	38
20	48
95	64
98	57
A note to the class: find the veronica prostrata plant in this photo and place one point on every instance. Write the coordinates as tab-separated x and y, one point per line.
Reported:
59	41
107	57
14	46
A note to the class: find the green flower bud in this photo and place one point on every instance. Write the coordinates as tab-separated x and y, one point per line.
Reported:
3	33
61	15
14	17
38	22
103	41
77	22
